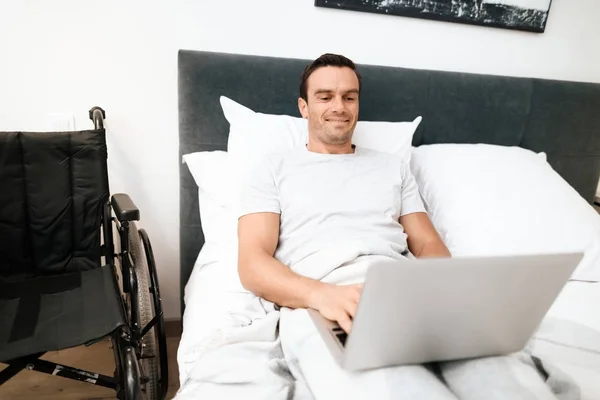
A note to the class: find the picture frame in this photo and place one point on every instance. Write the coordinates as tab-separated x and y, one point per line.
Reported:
525	15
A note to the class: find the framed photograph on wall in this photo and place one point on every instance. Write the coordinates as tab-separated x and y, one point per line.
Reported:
526	15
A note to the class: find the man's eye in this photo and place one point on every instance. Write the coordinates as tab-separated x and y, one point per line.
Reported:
324	98
350	98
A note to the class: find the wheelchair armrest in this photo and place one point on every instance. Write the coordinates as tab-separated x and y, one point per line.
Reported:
124	208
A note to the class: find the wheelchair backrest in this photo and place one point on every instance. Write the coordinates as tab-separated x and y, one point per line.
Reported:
53	186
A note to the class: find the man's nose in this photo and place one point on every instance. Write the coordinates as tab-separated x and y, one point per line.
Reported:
337	104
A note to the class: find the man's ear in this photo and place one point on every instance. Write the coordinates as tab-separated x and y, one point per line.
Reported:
303	107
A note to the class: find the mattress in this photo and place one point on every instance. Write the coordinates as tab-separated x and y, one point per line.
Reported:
569	337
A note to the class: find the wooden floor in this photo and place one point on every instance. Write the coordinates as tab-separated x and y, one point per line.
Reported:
29	385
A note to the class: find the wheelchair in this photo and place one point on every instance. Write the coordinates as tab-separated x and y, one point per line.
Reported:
64	282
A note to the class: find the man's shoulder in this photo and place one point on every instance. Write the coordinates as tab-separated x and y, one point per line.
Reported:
379	155
368	152
274	161
290	153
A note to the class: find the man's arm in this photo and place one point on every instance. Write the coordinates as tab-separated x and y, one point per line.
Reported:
261	273
423	239
266	277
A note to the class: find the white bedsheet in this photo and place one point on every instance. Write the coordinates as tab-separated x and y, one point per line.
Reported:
212	295
569	336
222	354
215	301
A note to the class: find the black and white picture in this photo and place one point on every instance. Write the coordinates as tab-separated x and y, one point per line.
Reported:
527	15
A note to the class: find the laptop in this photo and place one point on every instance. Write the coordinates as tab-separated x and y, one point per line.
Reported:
429	310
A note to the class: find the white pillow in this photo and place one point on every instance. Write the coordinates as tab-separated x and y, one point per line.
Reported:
496	200
217	195
252	135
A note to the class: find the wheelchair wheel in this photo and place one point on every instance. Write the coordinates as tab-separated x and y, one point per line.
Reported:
149	360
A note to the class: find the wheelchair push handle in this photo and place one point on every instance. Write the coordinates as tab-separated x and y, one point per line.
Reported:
98	115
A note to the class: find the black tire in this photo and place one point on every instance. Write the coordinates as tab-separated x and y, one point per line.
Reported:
149	358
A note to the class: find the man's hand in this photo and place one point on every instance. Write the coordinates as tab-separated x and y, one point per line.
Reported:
337	303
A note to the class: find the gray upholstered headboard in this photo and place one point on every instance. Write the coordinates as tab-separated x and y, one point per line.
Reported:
558	117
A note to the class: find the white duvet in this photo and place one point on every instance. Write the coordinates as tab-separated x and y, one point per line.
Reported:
213	352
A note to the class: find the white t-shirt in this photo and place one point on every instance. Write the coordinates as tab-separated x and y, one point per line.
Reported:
325	199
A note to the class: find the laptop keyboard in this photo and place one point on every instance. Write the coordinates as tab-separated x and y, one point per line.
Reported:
340	335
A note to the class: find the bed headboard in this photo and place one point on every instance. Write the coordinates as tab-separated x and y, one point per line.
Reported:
558	117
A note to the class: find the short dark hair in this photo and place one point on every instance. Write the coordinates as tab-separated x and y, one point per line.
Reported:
326	60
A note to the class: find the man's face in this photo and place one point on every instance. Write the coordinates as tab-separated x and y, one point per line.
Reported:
332	106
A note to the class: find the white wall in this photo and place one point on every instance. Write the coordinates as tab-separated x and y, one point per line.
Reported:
69	55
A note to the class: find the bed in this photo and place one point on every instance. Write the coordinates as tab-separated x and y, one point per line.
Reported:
555	122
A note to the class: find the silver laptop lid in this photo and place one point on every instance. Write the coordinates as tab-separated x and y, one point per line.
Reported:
416	311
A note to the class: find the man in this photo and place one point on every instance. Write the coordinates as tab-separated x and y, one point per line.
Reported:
322	196
330	91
